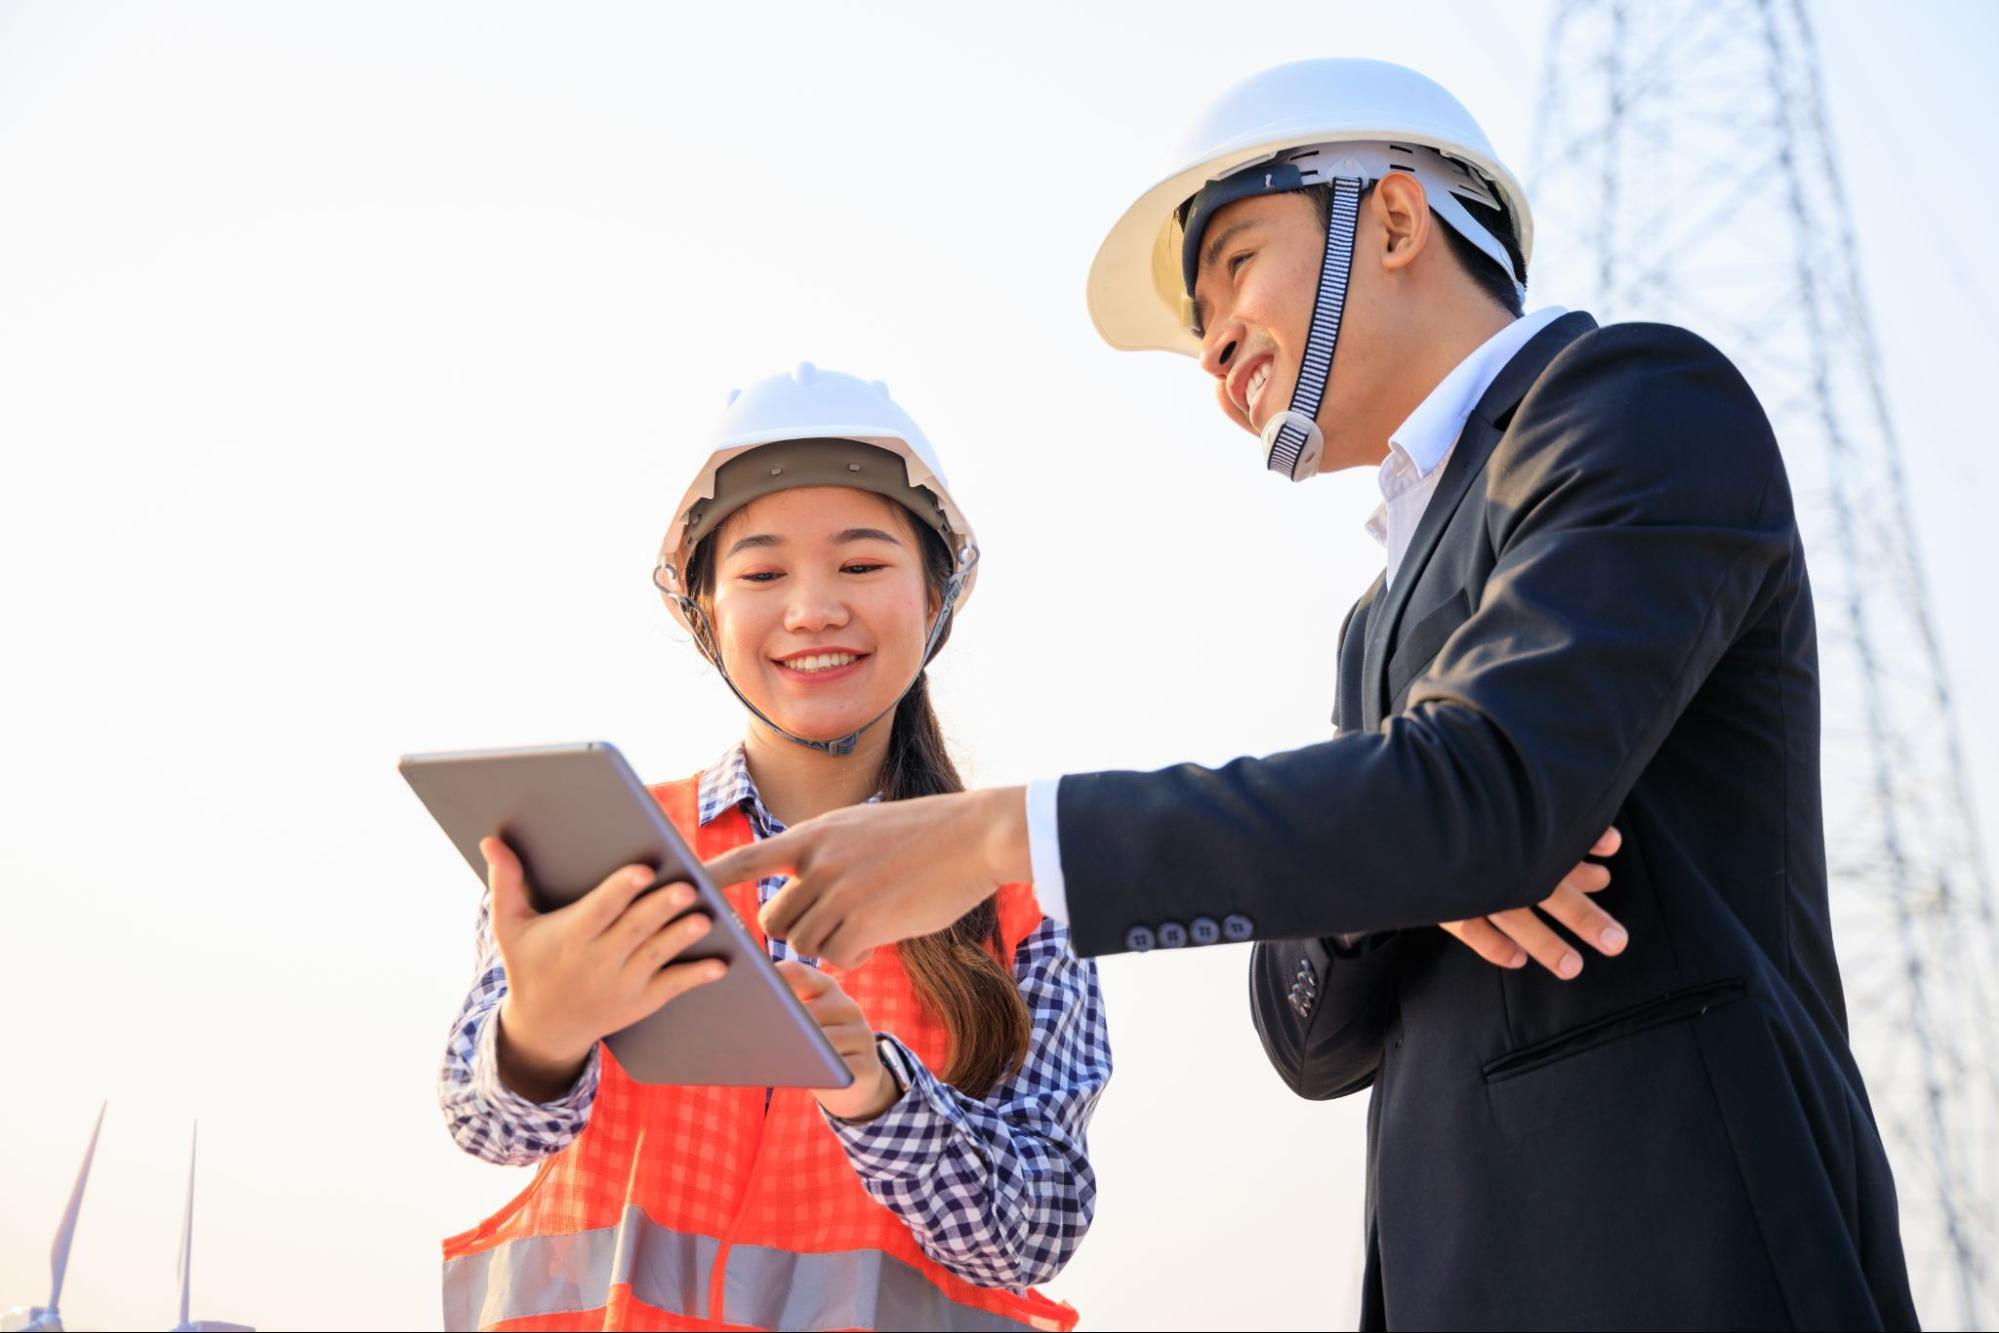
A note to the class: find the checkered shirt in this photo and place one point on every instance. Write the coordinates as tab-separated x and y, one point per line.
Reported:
998	1190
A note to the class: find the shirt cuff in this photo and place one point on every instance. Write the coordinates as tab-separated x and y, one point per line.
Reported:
487	1086
1044	850
905	1141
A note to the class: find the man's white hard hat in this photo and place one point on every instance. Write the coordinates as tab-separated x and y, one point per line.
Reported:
811	427
1137	292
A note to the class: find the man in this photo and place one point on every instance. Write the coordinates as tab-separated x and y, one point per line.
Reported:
1595	607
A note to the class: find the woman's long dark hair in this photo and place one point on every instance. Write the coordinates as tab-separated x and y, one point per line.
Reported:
958	972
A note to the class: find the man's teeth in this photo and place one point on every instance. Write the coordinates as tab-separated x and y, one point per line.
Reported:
821	661
1254	390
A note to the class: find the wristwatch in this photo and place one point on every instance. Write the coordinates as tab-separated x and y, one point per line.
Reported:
890	1051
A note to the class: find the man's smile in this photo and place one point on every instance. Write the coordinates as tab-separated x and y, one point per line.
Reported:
1247	382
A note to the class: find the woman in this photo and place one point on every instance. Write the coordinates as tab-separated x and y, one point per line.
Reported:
817	560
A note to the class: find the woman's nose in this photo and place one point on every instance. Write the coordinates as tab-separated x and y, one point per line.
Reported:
814	607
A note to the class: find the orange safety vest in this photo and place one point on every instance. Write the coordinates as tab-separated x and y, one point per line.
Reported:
690	1208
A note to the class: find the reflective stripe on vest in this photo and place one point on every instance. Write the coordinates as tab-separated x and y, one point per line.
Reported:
689	1207
767	1288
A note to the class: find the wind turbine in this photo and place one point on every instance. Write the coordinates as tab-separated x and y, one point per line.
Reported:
47	1318
187	1325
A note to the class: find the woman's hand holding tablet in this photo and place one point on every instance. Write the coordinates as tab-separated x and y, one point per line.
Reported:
581	972
609	928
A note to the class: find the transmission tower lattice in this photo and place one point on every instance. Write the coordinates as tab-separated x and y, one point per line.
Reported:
1685	172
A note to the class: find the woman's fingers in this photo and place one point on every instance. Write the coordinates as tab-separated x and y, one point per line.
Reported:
830	1006
1608	844
644	918
508	886
671	982
808	983
596	911
668	942
1480	936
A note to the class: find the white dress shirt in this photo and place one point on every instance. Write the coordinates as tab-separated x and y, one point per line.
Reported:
1422	444
1417	452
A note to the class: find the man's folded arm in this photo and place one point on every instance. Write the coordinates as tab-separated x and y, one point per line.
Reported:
1641	520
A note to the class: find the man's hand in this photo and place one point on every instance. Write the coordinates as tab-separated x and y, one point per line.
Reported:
585	970
873	1090
1507	939
869	875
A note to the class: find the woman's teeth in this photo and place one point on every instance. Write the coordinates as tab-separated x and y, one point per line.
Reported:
1255	388
821	661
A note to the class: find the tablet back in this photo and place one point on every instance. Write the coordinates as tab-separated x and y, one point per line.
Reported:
574	814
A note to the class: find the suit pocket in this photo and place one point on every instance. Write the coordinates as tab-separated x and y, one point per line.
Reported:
1668	1008
1424	640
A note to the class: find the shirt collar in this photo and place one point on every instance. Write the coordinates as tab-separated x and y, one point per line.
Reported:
1425	440
726	784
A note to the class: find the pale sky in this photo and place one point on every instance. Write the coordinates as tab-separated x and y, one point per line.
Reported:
350	359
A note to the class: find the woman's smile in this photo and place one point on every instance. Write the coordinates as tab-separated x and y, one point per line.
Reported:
818	667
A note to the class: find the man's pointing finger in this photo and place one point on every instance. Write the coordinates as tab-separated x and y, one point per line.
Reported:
758	860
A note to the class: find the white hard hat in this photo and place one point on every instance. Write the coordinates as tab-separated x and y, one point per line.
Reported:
815	419
1137	289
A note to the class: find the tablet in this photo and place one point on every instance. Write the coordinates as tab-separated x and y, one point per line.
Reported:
574	814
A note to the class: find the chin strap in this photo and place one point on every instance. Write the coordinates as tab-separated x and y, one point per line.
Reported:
1292	444
704	639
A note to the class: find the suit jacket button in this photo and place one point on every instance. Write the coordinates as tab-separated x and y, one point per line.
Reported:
1204	930
1172	935
1236	928
1139	938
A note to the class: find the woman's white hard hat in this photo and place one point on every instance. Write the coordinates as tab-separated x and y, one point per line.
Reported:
813	417
1137	293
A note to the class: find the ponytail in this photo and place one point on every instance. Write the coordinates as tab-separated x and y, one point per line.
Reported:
957	972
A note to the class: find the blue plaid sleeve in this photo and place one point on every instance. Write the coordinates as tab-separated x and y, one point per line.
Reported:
485	1117
999	1190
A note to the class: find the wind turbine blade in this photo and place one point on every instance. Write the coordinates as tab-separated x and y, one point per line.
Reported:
59	1252
187	1224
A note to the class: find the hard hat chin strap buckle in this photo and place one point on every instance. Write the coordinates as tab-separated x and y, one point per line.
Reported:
1292	444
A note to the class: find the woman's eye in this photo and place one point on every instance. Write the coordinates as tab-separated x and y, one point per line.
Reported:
1238	261
763	576
859	568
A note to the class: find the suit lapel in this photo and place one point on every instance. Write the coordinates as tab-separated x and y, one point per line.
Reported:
1482	431
1347	709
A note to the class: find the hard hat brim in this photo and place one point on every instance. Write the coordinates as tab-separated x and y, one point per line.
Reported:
1135	293
919	475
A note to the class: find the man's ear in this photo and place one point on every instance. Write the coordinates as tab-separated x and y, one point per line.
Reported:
1403	211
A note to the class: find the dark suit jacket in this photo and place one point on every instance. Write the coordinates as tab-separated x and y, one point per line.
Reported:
1603	618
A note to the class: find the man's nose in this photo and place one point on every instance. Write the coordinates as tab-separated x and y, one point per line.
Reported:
1218	349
